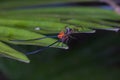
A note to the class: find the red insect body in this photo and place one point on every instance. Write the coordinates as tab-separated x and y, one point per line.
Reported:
61	35
64	36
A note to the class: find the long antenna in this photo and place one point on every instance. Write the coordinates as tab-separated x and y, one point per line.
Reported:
33	52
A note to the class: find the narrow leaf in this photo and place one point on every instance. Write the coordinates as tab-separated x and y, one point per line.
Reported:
9	33
7	51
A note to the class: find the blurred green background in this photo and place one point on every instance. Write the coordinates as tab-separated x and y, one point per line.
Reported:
92	57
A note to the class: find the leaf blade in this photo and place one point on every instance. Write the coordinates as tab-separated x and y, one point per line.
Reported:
9	52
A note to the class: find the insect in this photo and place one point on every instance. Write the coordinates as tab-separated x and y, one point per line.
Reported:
63	37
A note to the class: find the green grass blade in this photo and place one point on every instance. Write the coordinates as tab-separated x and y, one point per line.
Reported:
7	51
10	33
46	27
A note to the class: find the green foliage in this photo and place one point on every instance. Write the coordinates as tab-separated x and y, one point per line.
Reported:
11	53
22	24
96	59
8	34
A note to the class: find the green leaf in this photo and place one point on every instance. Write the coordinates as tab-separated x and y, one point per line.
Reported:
7	51
96	59
33	23
91	25
46	27
9	33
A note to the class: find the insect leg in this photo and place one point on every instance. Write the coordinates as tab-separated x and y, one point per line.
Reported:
33	52
67	40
